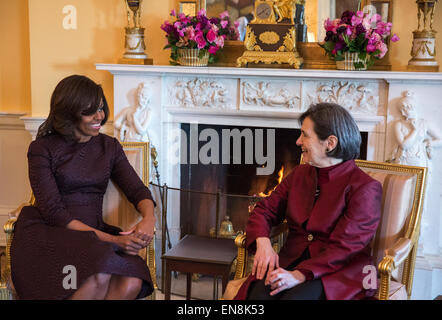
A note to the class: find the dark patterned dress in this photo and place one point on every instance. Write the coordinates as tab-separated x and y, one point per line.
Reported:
69	180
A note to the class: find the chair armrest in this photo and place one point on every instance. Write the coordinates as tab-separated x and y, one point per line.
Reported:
241	241
16	212
400	250
9	226
394	256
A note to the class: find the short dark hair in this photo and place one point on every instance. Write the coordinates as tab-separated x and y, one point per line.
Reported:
73	97
332	119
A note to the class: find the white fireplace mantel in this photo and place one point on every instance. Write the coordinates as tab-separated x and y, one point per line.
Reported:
275	98
123	69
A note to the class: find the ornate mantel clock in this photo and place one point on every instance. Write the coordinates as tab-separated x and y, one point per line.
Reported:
271	36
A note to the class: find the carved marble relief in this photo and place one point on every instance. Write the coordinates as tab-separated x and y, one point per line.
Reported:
270	94
415	137
416	141
133	121
199	93
356	97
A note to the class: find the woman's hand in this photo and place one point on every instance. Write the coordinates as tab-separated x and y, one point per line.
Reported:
281	279
129	244
144	230
266	259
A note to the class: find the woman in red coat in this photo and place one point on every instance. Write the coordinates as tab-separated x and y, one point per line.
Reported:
332	209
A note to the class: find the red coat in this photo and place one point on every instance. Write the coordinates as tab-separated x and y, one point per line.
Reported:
343	221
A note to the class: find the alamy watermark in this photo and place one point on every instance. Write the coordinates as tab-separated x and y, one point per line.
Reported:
370	281
223	147
70	280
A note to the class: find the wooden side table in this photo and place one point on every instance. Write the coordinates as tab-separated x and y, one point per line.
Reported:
197	254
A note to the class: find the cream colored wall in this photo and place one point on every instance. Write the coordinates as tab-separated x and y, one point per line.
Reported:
15	88
40	52
99	37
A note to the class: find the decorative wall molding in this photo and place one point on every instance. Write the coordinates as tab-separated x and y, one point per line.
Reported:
11	121
33	123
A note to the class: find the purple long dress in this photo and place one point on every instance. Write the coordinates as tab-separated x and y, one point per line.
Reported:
69	180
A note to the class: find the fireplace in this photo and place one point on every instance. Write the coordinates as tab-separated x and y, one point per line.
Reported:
230	183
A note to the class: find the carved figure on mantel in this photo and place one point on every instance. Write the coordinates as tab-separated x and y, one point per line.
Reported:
199	93
355	97
263	95
134	121
416	138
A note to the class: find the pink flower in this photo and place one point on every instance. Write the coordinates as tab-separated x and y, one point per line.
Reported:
190	32
330	25
181	16
213	49
224	23
224	15
371	48
220	41
356	20
200	41
360	14
202	12
173	13
211	36
382	47
395	38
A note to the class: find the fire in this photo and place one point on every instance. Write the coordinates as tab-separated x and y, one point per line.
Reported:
280	175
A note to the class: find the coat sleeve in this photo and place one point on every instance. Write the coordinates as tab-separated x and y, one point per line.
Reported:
44	186
125	176
268	212
353	232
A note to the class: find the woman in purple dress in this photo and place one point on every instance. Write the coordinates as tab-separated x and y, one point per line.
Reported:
62	249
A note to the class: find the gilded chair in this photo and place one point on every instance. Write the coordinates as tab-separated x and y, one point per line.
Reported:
395	244
117	210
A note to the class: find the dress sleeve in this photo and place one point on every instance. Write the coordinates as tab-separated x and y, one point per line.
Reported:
353	231
268	212
44	186
125	176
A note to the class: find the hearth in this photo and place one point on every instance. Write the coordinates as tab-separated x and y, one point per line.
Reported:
230	183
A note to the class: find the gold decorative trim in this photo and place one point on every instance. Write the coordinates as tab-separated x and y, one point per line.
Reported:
387	264
269	57
269	37
289	43
144	149
250	40
241	262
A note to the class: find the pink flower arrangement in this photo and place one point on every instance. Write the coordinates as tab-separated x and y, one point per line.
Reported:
198	32
357	32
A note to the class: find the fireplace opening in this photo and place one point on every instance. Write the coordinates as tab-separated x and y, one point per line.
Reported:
227	187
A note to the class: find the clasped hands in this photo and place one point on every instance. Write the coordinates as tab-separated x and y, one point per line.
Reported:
136	238
266	263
